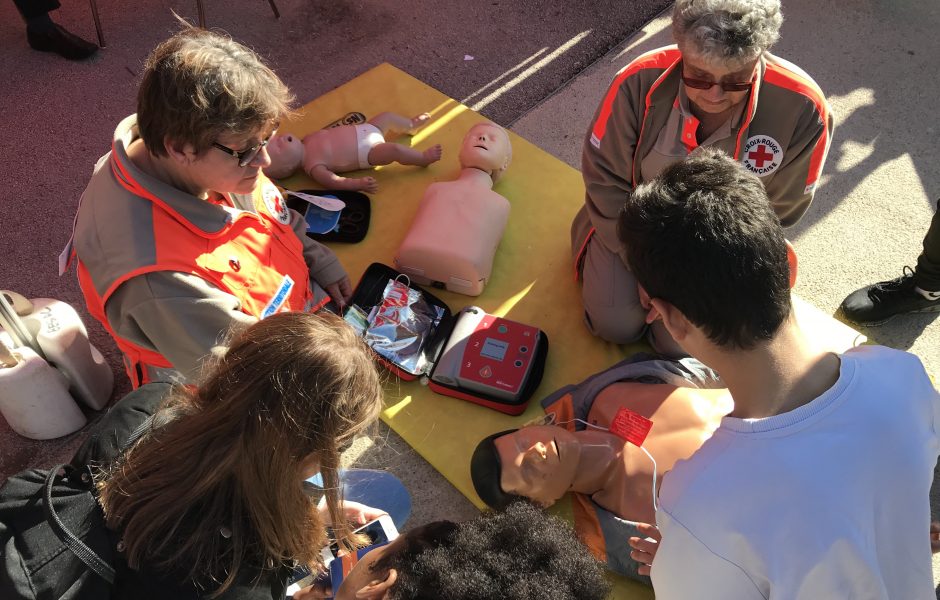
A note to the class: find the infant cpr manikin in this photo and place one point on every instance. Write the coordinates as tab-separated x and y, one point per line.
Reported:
327	153
453	238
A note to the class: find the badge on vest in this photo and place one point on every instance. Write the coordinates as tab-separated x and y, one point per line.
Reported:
275	204
279	297
762	155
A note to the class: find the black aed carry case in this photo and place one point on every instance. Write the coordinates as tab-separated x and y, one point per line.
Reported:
353	219
368	293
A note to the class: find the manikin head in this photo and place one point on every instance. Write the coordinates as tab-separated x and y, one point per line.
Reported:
287	153
486	147
480	559
538	462
707	249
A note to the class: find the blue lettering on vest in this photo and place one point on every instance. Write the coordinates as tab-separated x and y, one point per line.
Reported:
279	297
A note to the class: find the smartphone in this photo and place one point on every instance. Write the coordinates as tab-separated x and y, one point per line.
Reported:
378	531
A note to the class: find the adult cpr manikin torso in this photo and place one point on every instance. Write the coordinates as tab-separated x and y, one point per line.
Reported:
453	239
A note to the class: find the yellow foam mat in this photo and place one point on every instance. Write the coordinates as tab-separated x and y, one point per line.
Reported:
532	280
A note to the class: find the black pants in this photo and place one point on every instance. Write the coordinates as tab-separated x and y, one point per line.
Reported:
35	8
928	263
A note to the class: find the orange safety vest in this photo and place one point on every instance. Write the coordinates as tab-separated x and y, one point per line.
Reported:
256	257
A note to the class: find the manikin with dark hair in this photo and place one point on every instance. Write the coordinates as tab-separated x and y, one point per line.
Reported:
612	480
518	554
816	484
543	462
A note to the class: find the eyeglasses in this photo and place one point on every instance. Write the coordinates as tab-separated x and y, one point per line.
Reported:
245	156
728	86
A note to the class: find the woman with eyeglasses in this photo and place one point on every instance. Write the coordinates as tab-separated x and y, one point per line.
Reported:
718	86
179	235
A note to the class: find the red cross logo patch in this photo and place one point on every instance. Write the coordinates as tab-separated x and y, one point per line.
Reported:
762	155
275	204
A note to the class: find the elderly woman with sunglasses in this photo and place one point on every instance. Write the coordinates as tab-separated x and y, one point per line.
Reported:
179	235
720	87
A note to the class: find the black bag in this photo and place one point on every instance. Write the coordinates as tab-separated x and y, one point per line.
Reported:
53	539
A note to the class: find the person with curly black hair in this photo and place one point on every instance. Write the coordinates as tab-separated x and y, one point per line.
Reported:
518	554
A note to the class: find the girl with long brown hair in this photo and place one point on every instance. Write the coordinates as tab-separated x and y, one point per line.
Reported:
209	502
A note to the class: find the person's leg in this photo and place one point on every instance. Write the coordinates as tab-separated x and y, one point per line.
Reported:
927	273
913	292
612	309
44	35
33	9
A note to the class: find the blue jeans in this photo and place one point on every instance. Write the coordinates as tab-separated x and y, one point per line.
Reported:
378	489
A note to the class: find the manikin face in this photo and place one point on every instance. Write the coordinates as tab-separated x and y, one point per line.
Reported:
715	100
538	462
486	147
287	152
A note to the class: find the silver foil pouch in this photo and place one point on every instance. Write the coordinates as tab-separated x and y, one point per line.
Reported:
400	326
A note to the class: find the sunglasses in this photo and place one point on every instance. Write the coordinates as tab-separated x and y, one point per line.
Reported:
728	86
244	157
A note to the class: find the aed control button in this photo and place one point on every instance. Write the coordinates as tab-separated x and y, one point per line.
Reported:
518	363
502	329
486	372
523	349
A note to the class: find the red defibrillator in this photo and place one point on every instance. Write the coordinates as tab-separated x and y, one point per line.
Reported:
471	355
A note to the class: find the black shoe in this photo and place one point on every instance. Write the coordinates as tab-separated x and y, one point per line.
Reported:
875	304
62	42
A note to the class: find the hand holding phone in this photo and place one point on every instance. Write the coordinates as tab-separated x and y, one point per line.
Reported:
377	530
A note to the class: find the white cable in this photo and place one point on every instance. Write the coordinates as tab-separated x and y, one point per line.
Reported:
645	451
655	503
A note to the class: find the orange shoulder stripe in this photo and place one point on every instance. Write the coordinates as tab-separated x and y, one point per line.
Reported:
782	77
661	58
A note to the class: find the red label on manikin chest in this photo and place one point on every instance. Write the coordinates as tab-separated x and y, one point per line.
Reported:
630	426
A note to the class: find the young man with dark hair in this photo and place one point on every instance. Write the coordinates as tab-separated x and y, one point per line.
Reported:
816	485
518	554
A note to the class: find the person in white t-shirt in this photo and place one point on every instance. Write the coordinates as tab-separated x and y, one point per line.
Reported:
816	485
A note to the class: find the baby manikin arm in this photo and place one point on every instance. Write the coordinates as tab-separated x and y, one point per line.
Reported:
327	178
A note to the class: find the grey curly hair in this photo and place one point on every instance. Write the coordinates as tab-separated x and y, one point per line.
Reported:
727	31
